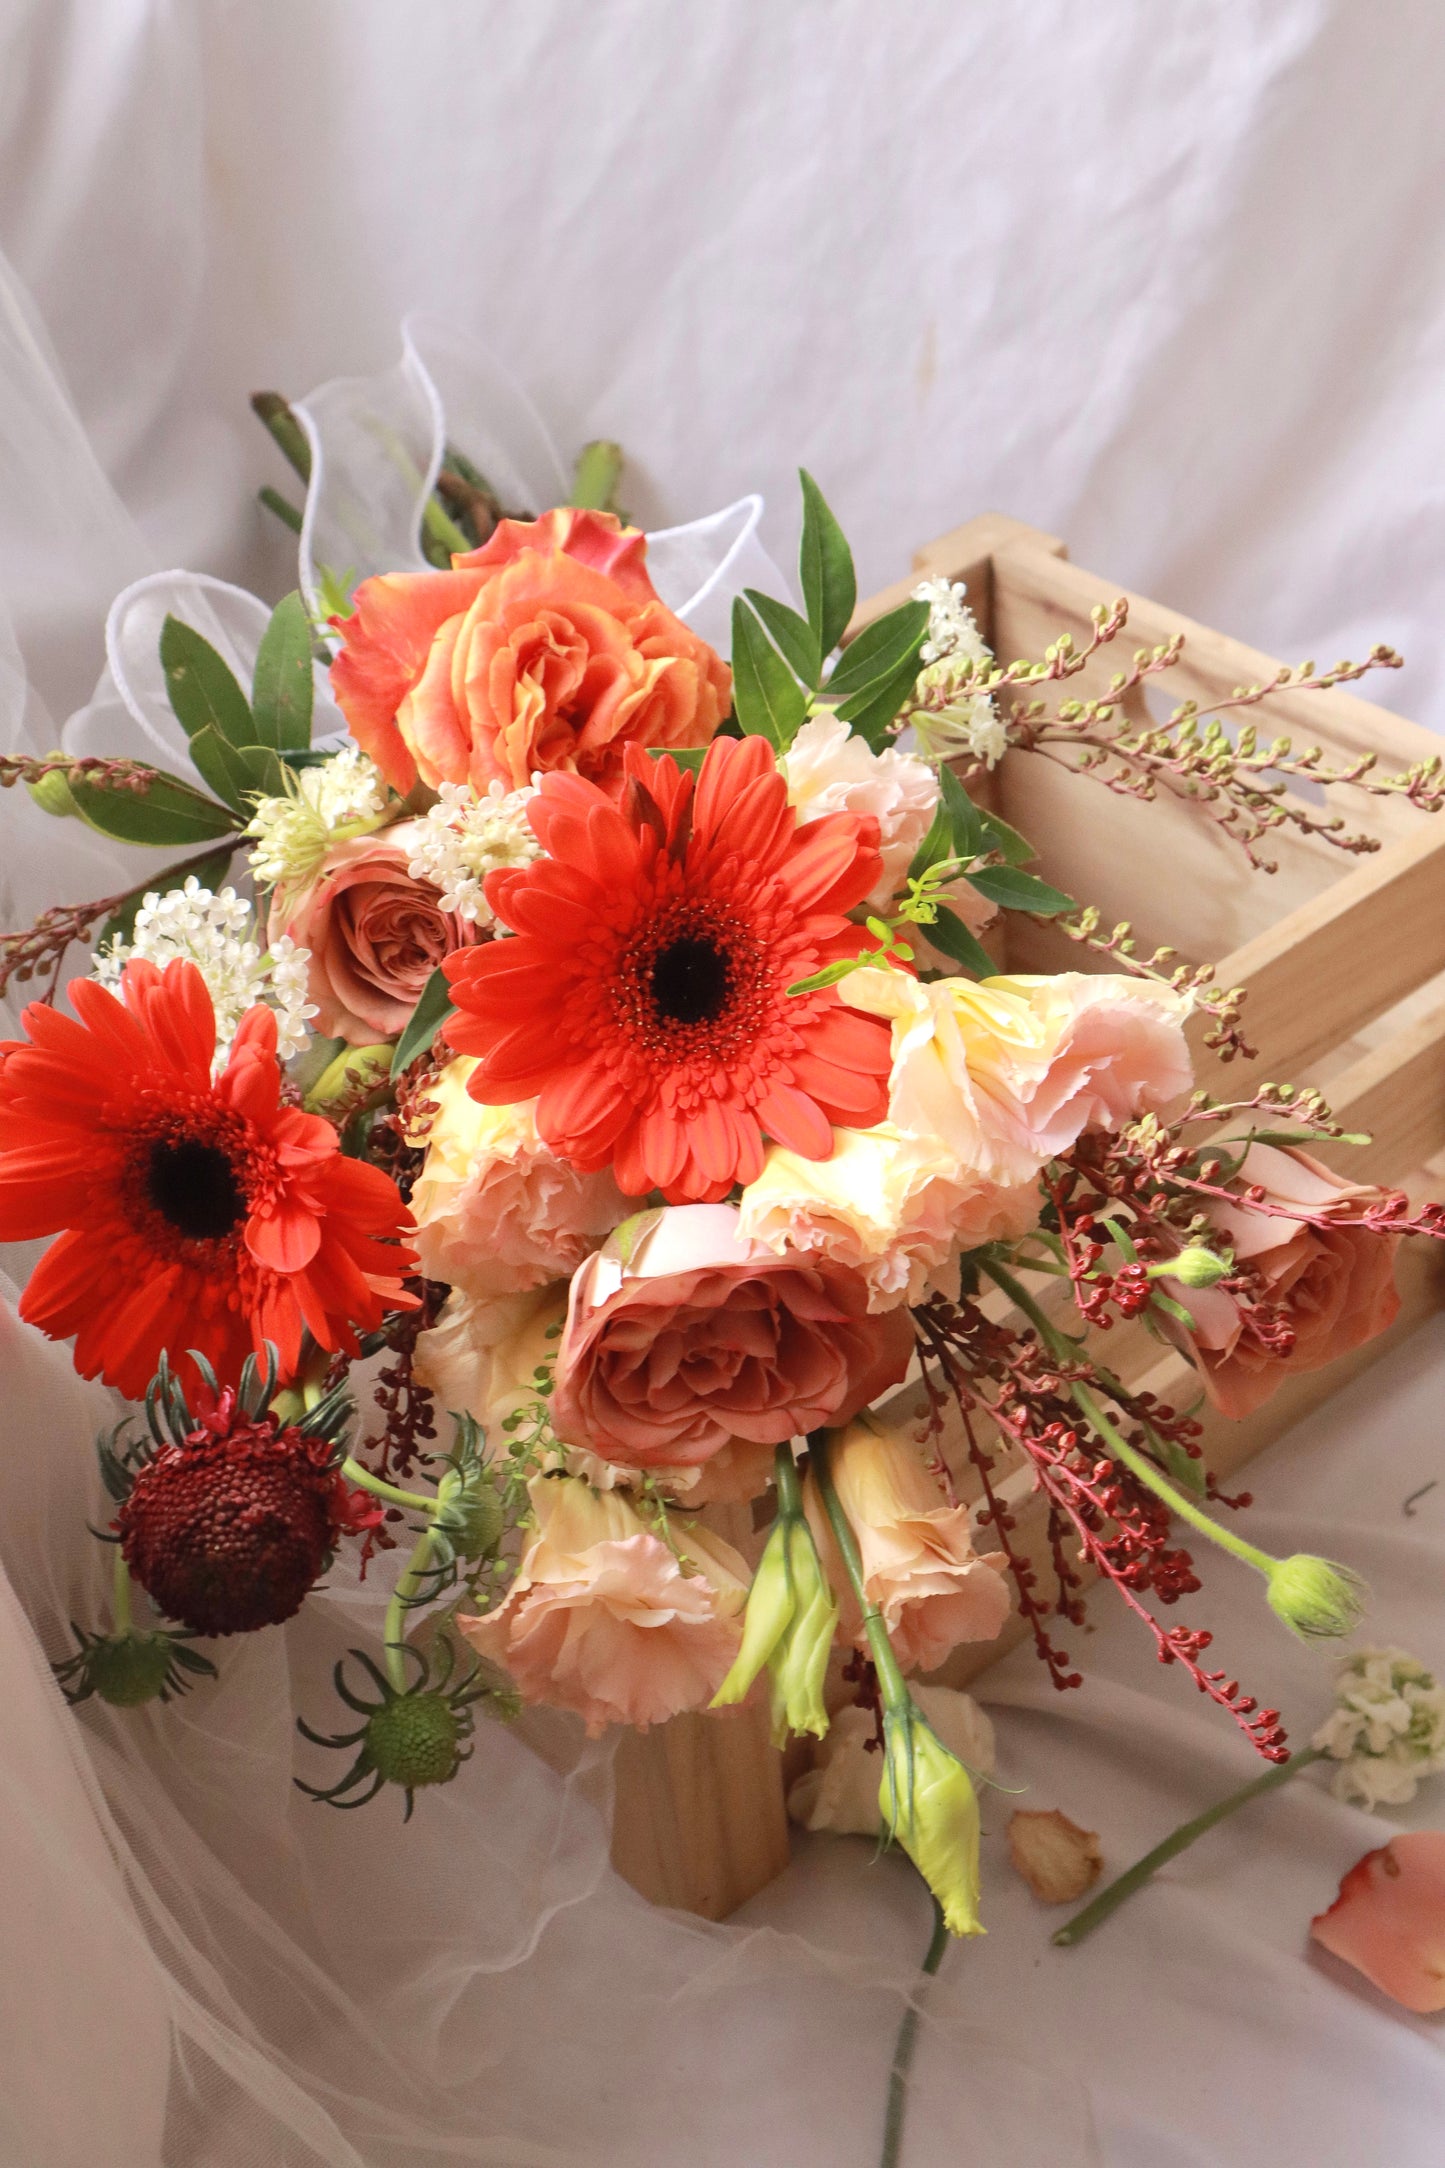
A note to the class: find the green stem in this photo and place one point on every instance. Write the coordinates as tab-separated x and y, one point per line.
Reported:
443	529
121	1598
790	1491
896	1696
394	1628
272	411
284	510
1095	1913
1139	1464
903	2052
363	1478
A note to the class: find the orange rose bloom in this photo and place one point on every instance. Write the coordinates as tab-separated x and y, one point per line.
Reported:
546	648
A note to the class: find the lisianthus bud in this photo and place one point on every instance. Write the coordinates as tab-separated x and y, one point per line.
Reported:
52	794
1317	1600
928	1802
789	1626
1194	1267
350	1080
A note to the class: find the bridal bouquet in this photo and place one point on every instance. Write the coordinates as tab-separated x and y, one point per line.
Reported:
585	1051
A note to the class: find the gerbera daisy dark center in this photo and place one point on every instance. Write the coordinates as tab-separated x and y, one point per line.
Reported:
194	1186
690	981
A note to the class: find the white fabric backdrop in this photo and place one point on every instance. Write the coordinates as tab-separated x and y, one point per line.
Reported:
1163	281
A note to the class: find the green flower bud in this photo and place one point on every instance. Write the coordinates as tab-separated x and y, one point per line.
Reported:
415	1739
473	1518
788	1626
1317	1600
1194	1267
52	794
350	1080
129	1669
929	1805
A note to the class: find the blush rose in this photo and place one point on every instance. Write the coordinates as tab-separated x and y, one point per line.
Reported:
682	1336
1330	1280
375	934
547	648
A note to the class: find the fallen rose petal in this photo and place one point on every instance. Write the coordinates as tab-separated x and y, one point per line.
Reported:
1389	1919
1057	1859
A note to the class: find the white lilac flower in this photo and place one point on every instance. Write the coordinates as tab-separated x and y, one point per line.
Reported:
217	934
343	797
1387	1729
970	723
464	837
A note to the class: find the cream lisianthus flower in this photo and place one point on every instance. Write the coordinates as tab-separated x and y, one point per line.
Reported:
605	1619
496	1210
919	1564
829	770
895	1208
1004	1073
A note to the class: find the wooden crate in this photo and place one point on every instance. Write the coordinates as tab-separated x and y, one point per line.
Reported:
1343	960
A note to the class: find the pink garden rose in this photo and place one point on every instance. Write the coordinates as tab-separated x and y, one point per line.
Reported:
1330	1281
681	1335
602	1619
375	935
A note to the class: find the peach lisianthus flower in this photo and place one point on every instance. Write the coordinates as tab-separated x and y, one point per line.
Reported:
830	770
682	1336
375	933
919	1564
482	1355
496	1210
605	1620
892	1207
1004	1073
546	648
1329	1280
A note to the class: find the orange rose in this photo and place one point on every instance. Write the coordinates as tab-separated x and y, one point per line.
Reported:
546	648
1331	1280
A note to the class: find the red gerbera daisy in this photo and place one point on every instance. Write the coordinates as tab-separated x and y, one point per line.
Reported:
196	1213
645	995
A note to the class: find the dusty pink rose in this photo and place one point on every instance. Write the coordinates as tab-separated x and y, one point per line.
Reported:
496	1210
681	1336
375	935
1329	1281
602	1619
919	1563
1389	1919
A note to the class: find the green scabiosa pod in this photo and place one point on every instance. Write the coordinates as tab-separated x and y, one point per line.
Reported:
1318	1600
929	1806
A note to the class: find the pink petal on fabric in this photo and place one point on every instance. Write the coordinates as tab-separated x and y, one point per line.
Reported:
1388	1920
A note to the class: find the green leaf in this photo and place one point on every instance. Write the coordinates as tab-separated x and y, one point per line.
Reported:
427	1018
880	650
201	687
963	816
167	811
596	476
949	933
870	711
768	701
1014	849
283	691
936	845
210	872
690	757
1017	891
825	567
792	635
237	773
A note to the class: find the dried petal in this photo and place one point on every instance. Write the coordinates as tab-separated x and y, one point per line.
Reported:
1389	1919
1057	1859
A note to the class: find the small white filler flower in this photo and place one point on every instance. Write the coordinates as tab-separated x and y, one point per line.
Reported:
1387	1729
343	797
464	837
943	725
217	934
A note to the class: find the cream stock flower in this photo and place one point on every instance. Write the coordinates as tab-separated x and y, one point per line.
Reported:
919	1564
496	1210
893	1207
830	770
605	1620
1387	1728
1004	1073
